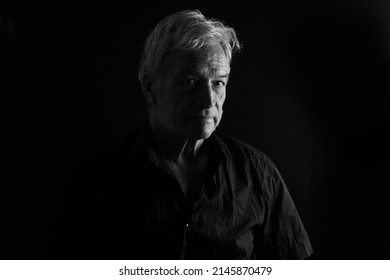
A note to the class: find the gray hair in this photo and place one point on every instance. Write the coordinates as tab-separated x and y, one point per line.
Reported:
184	30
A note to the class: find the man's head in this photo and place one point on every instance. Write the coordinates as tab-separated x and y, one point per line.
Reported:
184	72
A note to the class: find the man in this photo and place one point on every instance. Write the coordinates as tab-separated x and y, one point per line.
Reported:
175	188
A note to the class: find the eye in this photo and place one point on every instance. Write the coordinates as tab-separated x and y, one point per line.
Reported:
188	81
219	84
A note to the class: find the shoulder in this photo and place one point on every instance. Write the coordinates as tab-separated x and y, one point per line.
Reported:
240	151
250	168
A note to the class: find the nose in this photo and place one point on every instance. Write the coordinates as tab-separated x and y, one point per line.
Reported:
206	95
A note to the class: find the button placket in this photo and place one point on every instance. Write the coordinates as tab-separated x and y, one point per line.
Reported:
184	246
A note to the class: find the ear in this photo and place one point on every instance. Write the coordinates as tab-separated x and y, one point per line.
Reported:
147	88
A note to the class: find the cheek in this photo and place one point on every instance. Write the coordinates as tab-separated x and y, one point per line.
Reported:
164	101
174	109
184	104
220	103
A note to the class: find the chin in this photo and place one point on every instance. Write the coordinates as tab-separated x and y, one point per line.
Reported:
201	130
203	133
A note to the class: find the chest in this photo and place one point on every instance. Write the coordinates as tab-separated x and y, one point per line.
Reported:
190	177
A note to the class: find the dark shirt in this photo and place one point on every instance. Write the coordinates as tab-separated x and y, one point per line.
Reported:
127	206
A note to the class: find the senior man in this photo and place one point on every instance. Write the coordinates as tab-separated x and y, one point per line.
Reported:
175	188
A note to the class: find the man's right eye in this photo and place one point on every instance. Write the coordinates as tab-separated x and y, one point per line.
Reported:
189	81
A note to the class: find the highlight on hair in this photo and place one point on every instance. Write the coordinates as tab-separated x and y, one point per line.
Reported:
184	30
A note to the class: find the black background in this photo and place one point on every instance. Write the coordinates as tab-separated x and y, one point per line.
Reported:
309	73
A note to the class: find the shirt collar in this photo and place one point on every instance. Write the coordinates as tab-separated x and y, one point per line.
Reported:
142	146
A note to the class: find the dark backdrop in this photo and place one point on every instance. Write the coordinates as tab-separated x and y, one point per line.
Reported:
309	74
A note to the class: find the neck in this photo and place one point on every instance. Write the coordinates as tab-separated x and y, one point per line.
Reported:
173	147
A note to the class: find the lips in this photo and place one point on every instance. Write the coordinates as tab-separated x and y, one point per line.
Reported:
203	114
202	117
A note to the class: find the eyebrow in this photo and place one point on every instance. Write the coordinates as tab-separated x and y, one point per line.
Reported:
191	71
223	76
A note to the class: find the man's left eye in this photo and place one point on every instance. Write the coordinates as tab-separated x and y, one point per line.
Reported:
218	83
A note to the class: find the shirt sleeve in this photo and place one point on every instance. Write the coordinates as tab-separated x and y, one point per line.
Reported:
283	233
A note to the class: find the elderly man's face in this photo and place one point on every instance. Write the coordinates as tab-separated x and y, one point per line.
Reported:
189	94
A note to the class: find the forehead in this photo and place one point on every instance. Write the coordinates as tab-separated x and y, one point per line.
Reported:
210	59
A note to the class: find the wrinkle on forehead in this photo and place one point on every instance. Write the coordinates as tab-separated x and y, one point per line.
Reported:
210	60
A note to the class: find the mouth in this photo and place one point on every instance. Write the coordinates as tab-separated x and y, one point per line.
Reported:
202	117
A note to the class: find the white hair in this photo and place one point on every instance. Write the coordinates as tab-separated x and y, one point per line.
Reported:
184	30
